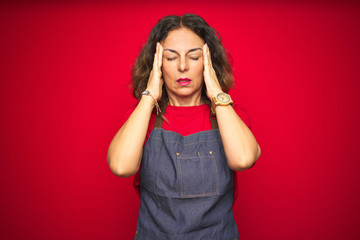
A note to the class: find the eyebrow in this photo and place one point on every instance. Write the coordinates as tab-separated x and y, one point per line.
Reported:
191	50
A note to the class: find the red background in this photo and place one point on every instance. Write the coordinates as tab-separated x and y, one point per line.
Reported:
64	70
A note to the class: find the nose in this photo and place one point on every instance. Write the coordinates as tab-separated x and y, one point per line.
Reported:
183	64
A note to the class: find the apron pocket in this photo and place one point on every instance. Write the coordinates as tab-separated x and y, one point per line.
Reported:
198	175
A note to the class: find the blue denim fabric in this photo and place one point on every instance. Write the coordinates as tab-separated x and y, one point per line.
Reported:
186	188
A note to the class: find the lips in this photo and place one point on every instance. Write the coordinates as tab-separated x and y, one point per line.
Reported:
183	81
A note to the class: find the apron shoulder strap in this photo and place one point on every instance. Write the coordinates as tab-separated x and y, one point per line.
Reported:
160	118
214	124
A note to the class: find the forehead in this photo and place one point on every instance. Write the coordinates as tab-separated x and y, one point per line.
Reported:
182	39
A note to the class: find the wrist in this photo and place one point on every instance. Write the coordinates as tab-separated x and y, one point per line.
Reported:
154	92
220	99
148	95
147	99
215	93
211	93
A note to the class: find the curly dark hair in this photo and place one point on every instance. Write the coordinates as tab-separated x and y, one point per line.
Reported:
219	56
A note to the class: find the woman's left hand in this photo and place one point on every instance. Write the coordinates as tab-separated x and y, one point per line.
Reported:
211	82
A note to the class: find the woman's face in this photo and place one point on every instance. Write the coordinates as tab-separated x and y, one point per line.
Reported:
183	63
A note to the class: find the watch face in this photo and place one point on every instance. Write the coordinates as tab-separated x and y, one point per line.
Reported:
223	97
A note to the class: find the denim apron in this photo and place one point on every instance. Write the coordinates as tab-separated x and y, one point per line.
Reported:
186	187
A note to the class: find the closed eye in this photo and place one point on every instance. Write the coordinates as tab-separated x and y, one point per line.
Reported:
193	58
171	59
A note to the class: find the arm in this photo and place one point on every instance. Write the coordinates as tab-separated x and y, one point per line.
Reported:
240	145
125	150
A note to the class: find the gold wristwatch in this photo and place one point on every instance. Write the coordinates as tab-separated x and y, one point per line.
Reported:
221	99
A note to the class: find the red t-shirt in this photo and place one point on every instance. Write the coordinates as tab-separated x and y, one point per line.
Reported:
186	121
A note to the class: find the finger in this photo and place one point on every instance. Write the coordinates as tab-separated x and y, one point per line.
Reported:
160	55
154	62
205	58
209	56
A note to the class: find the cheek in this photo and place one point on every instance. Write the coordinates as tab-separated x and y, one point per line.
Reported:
167	70
198	68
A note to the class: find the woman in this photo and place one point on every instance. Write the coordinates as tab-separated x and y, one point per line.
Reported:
186	176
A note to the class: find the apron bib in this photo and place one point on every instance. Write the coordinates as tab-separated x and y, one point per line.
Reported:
186	187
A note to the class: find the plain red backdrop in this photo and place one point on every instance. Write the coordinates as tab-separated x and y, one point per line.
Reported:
64	70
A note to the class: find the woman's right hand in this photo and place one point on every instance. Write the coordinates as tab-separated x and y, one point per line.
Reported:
125	150
156	82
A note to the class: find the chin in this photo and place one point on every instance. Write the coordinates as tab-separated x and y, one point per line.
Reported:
185	92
